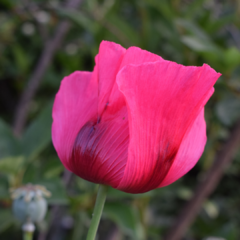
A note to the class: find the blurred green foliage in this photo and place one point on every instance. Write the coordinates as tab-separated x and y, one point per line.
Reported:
188	32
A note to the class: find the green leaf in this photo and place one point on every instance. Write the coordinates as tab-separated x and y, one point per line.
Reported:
38	134
58	191
219	23
4	188
6	220
193	29
116	194
123	30
11	165
198	45
80	19
228	231
21	59
184	193
78	231
53	168
211	209
8	143
163	7
232	57
194	8
123	215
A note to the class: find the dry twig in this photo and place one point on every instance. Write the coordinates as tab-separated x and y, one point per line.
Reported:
44	61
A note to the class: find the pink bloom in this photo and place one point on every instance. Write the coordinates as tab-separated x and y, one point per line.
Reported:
136	122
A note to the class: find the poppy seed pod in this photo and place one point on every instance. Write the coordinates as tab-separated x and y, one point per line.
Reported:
136	122
29	203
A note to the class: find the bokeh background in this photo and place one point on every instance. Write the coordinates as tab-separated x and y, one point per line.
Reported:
43	41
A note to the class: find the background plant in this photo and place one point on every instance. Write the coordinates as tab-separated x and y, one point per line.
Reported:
188	32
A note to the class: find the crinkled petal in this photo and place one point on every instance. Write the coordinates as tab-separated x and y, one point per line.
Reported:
133	55
90	131
137	56
189	152
75	103
107	66
163	100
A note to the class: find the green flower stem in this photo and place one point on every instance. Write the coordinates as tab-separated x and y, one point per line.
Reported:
97	212
28	229
27	235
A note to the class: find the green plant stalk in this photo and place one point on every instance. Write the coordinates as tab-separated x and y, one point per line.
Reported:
27	235
97	212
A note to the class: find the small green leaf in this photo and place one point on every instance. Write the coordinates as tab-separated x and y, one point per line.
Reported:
163	7
4	188
80	18
193	29
184	193
38	134
58	191
54	172
11	165
123	215
116	194
198	45
9	145
123	29
21	59
6	220
194	8
211	209
232	57
228	231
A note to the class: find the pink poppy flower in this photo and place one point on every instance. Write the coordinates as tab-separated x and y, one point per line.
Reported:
136	122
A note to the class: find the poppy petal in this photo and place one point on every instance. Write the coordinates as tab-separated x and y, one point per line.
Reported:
107	66
163	99
189	152
133	55
75	103
137	56
100	151
90	130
